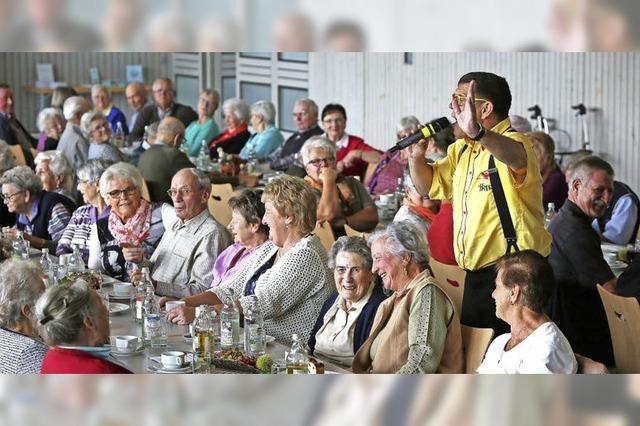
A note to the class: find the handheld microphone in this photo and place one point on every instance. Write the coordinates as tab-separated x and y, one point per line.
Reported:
429	129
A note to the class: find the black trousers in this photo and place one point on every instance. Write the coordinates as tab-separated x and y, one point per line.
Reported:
478	307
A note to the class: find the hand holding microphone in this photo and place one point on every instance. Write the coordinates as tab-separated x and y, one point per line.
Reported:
426	132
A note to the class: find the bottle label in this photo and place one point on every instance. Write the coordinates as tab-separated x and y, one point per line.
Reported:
226	335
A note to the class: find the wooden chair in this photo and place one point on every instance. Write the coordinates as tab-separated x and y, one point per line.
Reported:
16	150
451	280
369	172
475	342
589	366
325	233
219	202
145	191
353	233
34	152
623	316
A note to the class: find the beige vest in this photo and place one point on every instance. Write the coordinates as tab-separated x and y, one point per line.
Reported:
393	350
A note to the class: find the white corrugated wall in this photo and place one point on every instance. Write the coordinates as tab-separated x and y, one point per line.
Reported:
378	88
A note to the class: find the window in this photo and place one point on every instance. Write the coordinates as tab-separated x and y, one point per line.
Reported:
228	88
256	55
187	90
287	96
302	57
252	92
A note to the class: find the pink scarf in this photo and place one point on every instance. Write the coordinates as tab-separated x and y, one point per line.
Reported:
136	229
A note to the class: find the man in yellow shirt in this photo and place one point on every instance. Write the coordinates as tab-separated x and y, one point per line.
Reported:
480	105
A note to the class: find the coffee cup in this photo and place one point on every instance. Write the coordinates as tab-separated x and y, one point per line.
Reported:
123	289
172	304
386	199
172	359
127	343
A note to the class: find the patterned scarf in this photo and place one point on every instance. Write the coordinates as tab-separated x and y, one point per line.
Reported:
136	229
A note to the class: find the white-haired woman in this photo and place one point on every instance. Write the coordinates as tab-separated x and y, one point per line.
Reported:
416	330
54	171
21	351
74	321
42	215
7	162
205	127
133	228
101	99
233	138
79	227
97	128
51	125
342	199
267	138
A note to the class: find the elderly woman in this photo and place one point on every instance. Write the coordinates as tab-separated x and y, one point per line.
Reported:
96	127
524	286
554	186
133	228
51	124
233	138
7	162
249	235
79	228
21	352
42	215
342	199
288	274
101	99
416	330
54	171
74	321
352	153
267	138
345	320
205	127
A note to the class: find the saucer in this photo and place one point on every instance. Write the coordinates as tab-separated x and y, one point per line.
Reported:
117	308
617	265
269	339
159	368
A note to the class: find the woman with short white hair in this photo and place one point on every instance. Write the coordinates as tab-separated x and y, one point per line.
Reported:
96	127
21	352
51	124
234	137
54	171
267	138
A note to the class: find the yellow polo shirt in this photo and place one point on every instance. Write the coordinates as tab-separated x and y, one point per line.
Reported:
478	240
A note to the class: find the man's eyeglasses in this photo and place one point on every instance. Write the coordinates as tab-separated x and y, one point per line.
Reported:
300	114
184	191
318	161
163	91
118	193
461	99
104	126
8	198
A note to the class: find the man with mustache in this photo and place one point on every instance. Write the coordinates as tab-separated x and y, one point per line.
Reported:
578	263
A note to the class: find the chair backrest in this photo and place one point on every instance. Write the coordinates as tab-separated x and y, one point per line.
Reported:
353	233
219	206
16	150
325	233
34	152
475	342
623	316
589	366
450	278
145	191
369	172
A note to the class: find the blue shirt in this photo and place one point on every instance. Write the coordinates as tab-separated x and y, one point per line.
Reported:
619	228
263	143
196	133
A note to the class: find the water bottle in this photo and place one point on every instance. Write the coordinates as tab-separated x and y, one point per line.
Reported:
252	161
549	215
229	323
20	247
45	262
399	193
76	263
204	335
155	332
203	160
118	136
63	267
254	335
297	359
141	291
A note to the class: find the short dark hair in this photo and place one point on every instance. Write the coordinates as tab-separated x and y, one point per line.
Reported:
329	108
532	272
250	206
493	88
4	85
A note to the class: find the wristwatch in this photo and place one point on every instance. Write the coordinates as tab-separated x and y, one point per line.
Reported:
480	134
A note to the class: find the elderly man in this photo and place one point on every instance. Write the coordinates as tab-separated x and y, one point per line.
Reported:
619	224
578	264
183	261
101	99
164	106
73	144
305	118
136	95
163	159
489	165
11	130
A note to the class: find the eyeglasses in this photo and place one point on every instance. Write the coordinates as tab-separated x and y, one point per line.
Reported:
318	161
118	193
104	126
8	198
184	191
461	99
163	91
300	114
334	121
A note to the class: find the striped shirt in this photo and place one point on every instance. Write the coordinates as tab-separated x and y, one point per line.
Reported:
79	229
20	354
57	223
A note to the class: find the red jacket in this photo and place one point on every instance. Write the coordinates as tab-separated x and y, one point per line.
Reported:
75	361
359	167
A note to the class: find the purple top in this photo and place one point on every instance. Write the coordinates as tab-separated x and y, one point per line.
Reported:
229	261
385	177
554	189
